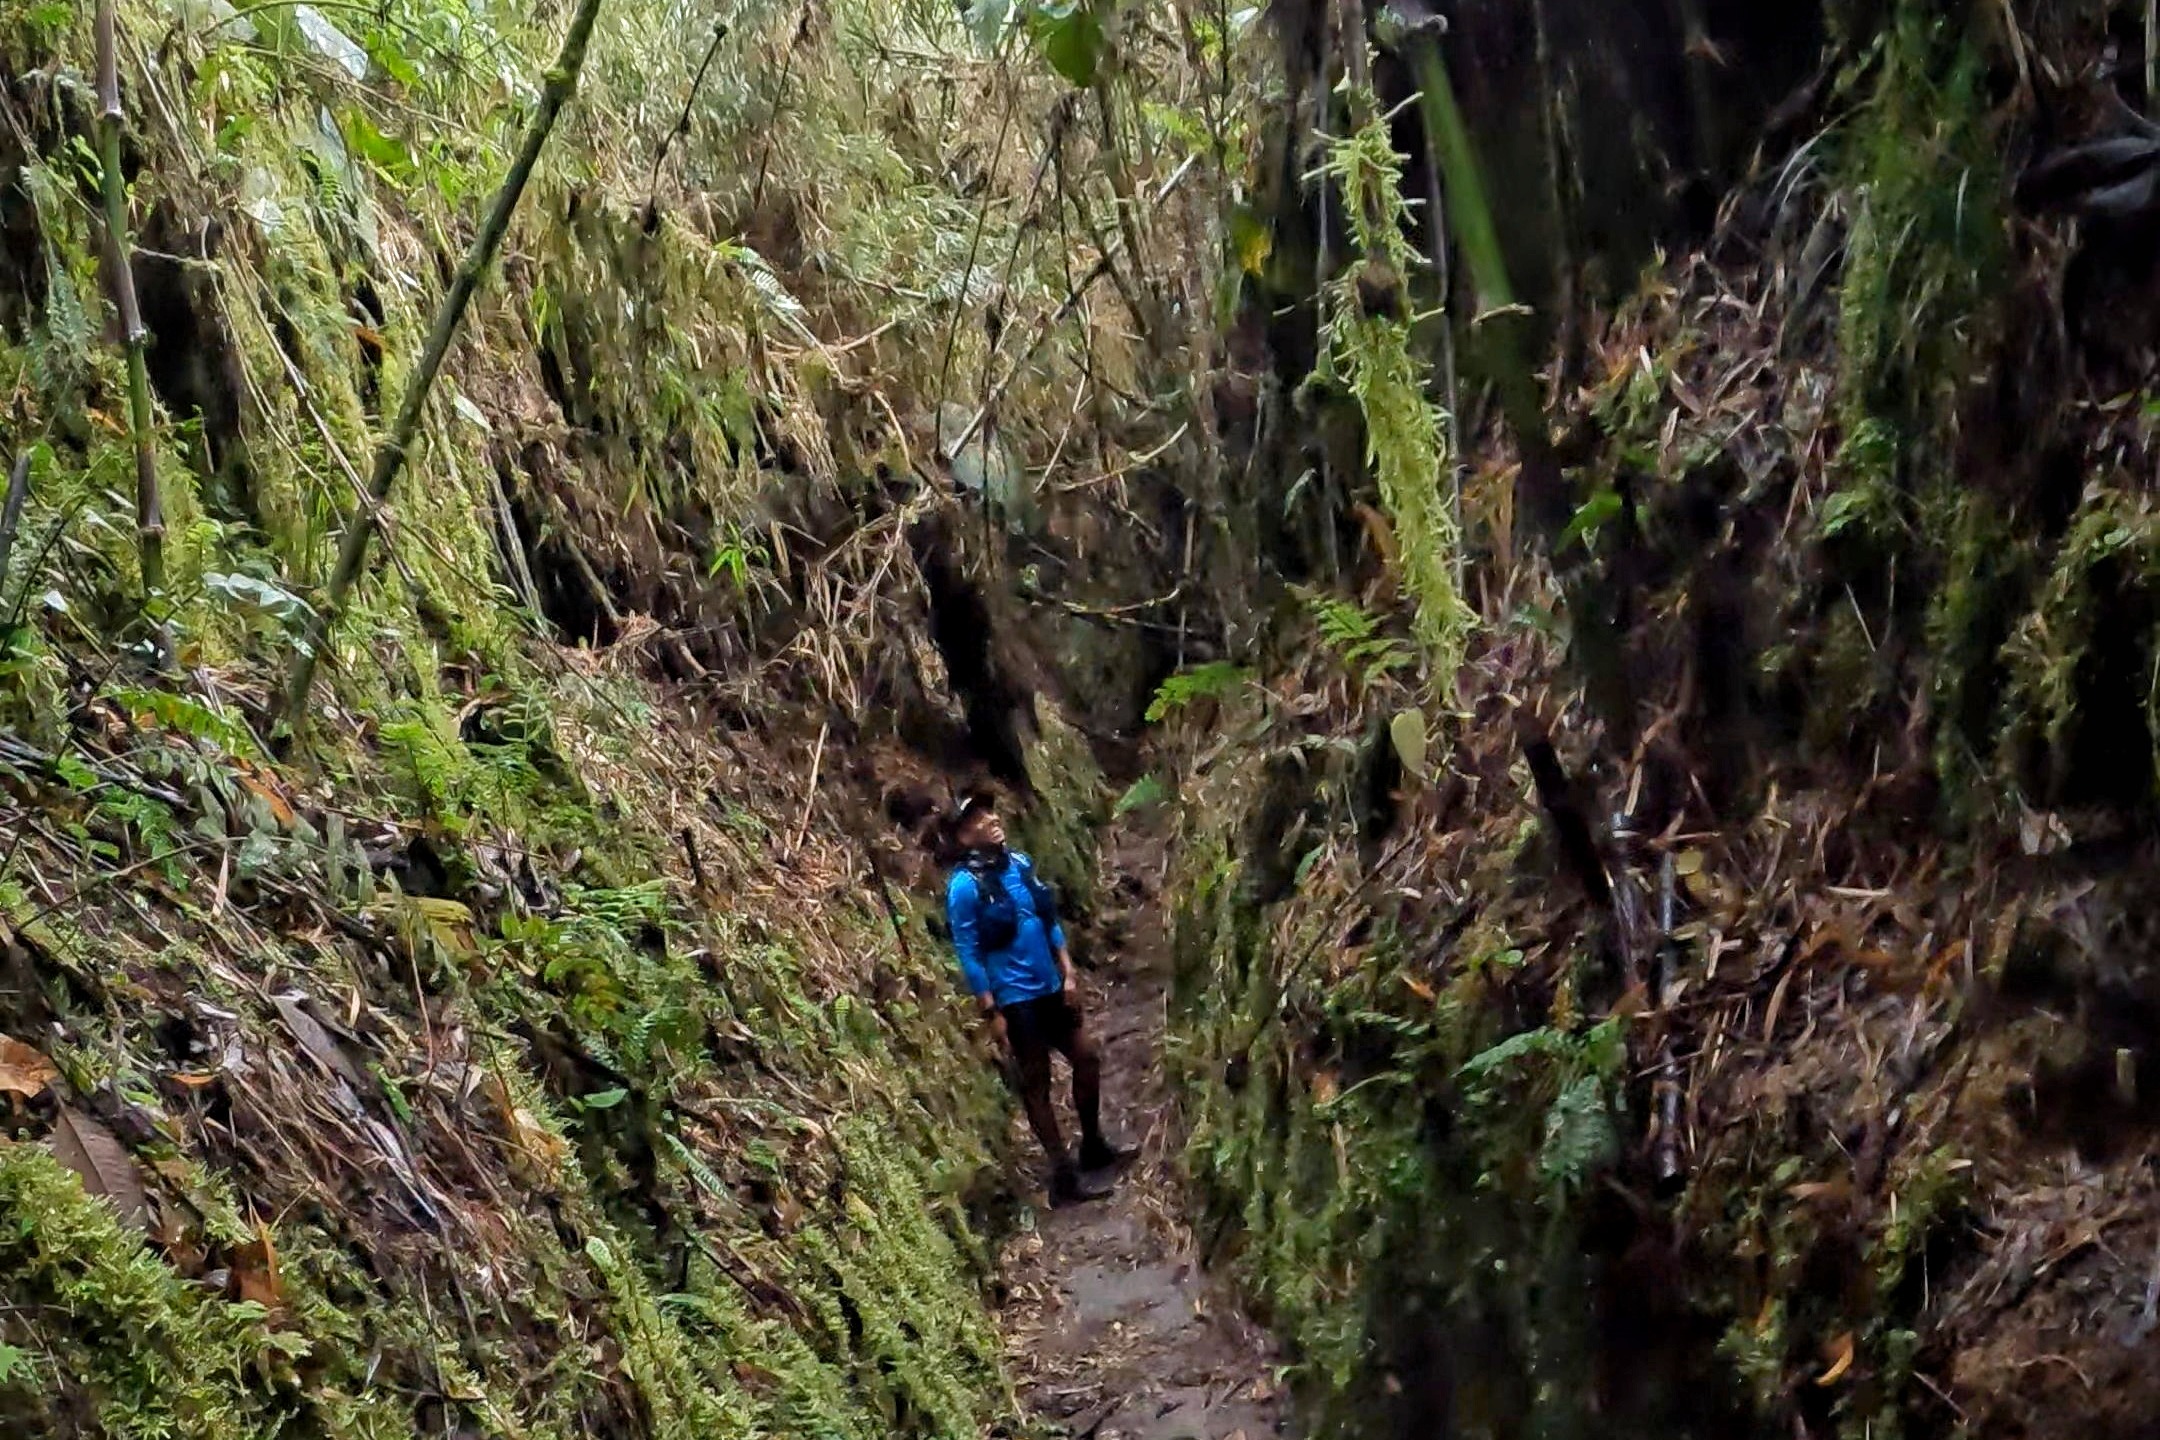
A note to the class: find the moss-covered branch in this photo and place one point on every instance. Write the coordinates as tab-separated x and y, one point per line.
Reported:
390	457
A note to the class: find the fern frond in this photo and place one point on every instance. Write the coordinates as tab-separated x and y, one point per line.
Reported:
1202	682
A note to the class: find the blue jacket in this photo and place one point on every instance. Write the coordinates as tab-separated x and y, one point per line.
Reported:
1027	969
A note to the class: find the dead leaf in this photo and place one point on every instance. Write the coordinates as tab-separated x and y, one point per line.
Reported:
450	922
173	1234
280	808
314	1039
1379	532
96	1154
1777	1003
1949	955
1823	1192
255	1267
1840	1354
24	1070
542	1146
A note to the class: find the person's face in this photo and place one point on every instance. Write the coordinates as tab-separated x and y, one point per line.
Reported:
982	830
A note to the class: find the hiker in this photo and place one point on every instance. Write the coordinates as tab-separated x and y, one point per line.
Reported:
1012	952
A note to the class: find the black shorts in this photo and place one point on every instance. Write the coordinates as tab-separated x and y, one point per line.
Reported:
1037	1027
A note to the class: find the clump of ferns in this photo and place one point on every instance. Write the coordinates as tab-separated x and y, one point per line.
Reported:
1368	352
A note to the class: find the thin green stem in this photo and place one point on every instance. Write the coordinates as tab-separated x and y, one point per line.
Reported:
120	281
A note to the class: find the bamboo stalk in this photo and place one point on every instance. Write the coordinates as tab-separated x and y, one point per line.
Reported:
390	457
18	491
1541	486
682	124
120	281
1470	216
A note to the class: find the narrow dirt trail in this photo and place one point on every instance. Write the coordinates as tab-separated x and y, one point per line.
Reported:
1114	1330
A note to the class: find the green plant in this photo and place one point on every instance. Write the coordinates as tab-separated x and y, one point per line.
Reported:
1146	793
1211	681
1570	1076
737	556
1354	634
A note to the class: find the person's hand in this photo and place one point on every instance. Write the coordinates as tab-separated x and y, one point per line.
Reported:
998	1032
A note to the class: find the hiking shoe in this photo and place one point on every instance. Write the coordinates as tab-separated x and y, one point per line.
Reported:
1071	1186
1097	1153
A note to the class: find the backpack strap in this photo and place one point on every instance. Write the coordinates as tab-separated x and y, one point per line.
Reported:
1039	891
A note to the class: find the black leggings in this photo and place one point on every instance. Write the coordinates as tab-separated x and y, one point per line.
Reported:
1034	1028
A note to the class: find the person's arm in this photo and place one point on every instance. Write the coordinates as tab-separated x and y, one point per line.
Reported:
1057	938
962	901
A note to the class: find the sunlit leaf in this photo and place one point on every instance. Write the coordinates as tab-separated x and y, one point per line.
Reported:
1070	38
1253	240
1407	730
1591	516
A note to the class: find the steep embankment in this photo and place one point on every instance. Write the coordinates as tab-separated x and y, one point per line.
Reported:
533	1038
629	1118
1721	1005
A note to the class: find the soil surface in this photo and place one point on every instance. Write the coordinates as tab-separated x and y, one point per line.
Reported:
1114	1329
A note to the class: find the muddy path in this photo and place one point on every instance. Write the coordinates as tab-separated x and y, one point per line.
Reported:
1113	1329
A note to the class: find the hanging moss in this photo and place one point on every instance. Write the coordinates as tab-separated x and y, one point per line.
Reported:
1368	351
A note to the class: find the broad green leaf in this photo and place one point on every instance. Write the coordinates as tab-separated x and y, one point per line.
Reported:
1407	730
383	49
1253	240
1592	516
1071	39
1148	790
387	154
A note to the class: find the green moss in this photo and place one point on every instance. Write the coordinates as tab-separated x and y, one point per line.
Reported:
1069	805
1369	353
1969	618
1926	248
2068	675
115	1333
1360	1228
